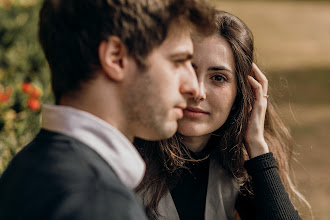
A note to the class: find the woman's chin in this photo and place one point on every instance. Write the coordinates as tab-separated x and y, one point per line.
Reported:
192	131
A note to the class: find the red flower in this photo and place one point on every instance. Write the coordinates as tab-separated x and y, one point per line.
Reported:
36	93
27	87
34	104
4	97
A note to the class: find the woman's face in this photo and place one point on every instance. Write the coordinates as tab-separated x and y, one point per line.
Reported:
215	68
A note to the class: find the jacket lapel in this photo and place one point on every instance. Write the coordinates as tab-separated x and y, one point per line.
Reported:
167	208
221	195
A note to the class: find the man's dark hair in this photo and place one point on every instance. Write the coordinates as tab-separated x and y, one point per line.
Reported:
70	32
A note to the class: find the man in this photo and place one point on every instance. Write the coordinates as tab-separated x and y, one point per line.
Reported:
120	69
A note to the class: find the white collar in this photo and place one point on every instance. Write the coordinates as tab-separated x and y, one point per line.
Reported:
103	138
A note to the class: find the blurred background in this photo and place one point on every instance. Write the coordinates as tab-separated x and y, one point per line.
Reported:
293	48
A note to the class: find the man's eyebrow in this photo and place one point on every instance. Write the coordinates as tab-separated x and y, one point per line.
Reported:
182	55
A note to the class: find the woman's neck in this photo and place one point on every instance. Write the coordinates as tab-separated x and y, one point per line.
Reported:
195	144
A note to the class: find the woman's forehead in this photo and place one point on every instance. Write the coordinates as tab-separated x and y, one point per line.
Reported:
213	50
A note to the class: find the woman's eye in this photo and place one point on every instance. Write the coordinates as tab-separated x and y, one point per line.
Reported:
218	78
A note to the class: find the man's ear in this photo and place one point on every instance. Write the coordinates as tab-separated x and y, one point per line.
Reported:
111	55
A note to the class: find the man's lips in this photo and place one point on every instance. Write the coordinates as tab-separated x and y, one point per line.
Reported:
179	111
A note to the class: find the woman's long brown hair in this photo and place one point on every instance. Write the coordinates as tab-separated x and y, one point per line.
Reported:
165	159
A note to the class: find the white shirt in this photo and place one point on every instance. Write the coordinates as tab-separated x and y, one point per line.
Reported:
100	136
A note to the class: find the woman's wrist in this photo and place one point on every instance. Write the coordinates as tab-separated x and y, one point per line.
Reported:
257	148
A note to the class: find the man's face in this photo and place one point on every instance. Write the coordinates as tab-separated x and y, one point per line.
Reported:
156	96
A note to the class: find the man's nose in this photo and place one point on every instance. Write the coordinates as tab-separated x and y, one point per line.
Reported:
189	86
201	95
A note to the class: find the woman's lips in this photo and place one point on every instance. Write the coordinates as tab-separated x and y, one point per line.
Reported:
194	112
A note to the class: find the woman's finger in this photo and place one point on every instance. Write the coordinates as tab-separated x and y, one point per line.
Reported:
261	78
257	88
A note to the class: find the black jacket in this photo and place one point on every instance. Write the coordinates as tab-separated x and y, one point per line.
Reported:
58	177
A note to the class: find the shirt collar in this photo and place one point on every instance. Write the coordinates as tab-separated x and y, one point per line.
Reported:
103	138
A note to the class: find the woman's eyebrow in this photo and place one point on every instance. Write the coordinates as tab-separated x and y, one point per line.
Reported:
219	68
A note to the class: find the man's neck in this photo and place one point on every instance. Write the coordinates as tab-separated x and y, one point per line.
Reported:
103	106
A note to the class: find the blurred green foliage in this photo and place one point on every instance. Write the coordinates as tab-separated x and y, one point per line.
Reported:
24	77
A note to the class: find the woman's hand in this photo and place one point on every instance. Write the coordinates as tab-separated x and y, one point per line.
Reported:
254	137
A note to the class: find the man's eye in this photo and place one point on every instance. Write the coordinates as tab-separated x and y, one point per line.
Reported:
180	61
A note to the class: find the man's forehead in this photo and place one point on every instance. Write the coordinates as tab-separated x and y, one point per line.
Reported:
178	33
178	44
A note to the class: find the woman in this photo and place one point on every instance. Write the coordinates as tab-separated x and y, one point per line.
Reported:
220	164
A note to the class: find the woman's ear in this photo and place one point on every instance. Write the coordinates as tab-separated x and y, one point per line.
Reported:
111	55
